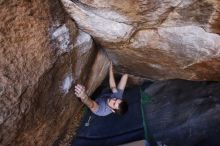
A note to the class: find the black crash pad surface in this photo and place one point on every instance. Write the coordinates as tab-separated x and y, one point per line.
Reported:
113	129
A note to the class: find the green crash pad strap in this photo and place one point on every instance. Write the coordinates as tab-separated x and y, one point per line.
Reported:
146	99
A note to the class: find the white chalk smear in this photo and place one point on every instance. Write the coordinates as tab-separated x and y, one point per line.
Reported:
67	83
2	90
62	37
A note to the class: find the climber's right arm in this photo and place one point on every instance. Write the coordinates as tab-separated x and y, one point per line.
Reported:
80	93
112	83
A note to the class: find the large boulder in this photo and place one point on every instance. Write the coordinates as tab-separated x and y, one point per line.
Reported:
42	56
155	39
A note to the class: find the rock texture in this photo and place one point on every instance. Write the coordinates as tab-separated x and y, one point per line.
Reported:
42	57
155	39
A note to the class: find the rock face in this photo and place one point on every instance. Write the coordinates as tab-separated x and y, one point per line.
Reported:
42	57
155	39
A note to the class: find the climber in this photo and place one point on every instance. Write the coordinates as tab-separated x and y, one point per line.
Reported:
106	103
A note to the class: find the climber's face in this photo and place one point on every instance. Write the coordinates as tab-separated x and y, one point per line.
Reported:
114	103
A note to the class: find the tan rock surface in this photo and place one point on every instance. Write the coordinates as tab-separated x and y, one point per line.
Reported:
99	72
42	57
155	39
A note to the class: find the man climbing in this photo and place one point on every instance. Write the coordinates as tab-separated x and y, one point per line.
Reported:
107	103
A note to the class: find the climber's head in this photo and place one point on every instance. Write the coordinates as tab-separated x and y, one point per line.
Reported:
118	106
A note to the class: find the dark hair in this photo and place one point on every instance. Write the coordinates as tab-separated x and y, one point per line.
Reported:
122	108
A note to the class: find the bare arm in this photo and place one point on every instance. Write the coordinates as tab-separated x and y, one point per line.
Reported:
80	92
123	82
91	104
112	79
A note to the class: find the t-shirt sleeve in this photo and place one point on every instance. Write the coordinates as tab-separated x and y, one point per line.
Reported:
102	109
118	94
